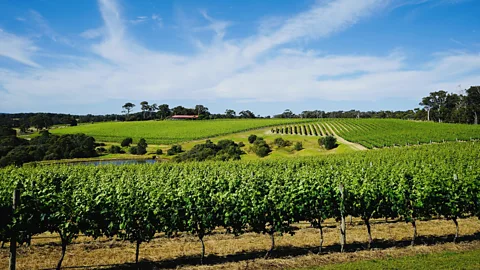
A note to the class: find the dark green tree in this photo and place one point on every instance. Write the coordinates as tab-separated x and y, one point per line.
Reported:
473	102
246	114
230	113
164	111
145	108
142	147
128	108
252	138
126	142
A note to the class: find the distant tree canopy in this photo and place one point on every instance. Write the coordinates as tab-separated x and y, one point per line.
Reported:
16	151
442	106
230	113
286	114
246	114
164	111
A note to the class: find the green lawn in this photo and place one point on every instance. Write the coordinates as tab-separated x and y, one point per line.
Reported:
437	261
310	145
169	132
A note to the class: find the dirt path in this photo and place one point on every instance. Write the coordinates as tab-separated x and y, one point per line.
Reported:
355	146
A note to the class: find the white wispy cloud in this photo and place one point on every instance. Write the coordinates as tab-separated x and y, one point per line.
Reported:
41	23
266	66
17	48
157	19
217	26
93	33
139	20
318	22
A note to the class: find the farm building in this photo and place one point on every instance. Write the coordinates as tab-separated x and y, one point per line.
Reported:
184	117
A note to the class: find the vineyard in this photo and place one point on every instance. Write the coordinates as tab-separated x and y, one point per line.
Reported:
136	202
169	132
377	133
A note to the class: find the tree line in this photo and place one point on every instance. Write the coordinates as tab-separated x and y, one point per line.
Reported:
439	106
163	111
17	151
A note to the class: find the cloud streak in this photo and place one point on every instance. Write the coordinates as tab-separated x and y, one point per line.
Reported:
258	68
17	48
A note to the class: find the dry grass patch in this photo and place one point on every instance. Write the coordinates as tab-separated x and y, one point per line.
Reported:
225	251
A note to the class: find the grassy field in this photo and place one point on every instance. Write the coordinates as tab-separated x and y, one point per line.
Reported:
443	260
391	248
169	132
310	145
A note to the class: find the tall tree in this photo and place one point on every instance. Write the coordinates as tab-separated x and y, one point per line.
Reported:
145	107
152	109
229	113
180	110
435	101
286	114
201	111
128	107
246	114
164	111
473	102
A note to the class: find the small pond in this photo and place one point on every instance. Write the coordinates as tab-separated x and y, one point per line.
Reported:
118	162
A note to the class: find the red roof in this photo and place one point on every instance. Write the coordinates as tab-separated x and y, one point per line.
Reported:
185	116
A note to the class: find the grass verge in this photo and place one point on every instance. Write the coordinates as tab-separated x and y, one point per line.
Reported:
443	260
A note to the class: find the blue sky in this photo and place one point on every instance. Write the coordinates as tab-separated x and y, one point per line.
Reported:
265	56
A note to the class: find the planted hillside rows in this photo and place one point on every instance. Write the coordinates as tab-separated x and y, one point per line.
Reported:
378	133
134	202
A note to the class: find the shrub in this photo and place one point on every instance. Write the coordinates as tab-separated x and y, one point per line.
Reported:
126	142
133	150
241	144
262	151
223	150
159	152
175	149
280	142
298	146
329	142
252	138
261	148
115	149
142	147
101	150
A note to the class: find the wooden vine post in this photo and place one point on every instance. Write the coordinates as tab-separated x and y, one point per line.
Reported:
13	238
343	227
